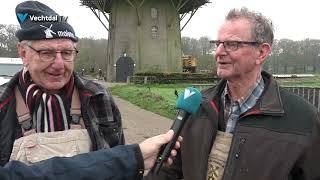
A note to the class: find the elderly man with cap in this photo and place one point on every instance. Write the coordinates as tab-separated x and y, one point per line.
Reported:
46	109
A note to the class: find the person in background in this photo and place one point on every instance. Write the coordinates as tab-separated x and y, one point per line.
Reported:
82	72
248	127
100	74
121	162
46	109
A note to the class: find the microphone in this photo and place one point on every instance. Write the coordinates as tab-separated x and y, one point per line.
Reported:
188	103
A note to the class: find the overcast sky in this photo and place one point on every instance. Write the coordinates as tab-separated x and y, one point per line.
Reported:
293	19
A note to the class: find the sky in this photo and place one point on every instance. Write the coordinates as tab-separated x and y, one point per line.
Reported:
292	19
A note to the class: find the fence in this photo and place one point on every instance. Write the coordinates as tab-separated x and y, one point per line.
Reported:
170	80
310	94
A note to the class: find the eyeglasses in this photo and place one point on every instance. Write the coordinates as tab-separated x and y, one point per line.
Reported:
50	55
231	45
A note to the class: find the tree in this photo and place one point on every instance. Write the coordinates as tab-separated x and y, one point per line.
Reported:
200	49
204	45
8	41
287	56
290	56
190	46
92	54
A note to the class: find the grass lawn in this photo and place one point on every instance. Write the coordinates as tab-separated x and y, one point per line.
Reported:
159	99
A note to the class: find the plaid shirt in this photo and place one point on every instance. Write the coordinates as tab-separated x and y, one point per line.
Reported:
233	109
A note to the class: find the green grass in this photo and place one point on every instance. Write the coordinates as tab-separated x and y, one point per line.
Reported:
159	99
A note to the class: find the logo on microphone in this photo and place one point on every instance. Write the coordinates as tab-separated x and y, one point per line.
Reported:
188	93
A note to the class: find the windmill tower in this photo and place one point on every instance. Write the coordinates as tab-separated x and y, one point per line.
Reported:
147	32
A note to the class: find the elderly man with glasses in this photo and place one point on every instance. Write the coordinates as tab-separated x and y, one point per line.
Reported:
46	109
248	128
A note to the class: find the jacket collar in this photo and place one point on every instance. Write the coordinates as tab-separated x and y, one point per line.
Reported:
87	87
269	103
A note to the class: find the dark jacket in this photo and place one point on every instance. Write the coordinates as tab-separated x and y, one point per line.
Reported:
100	114
118	163
277	139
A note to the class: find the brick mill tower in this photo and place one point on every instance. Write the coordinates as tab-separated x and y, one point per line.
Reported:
144	35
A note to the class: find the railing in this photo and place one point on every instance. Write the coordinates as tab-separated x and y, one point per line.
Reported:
170	80
310	94
202	86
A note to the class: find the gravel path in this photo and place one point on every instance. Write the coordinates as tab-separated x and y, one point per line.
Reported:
140	124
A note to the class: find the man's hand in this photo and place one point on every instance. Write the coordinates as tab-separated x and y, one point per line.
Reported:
150	148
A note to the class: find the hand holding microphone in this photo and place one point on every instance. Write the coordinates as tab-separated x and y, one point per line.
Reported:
151	146
188	103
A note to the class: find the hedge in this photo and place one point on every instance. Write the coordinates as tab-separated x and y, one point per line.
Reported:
171	78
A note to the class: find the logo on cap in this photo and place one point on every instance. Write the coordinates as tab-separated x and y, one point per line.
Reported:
22	17
48	31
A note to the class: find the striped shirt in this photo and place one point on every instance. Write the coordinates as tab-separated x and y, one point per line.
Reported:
233	109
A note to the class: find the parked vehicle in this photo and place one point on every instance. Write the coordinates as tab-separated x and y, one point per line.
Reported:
189	63
9	67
